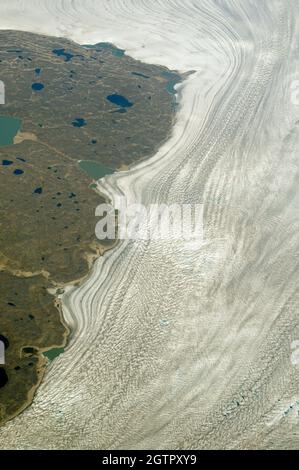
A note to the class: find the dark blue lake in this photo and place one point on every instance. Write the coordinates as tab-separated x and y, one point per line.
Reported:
61	52
38	191
7	162
139	74
37	86
119	100
67	55
79	122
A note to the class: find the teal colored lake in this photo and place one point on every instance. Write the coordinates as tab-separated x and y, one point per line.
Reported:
173	79
52	353
115	50
95	170
107	45
9	127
